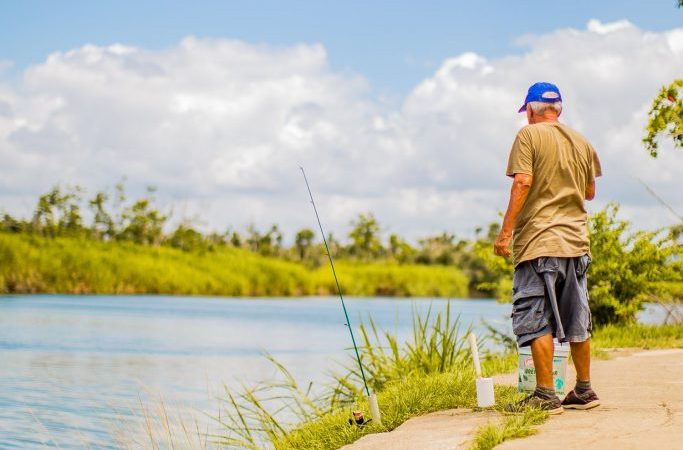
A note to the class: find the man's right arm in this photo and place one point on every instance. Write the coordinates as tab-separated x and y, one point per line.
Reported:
594	171
590	191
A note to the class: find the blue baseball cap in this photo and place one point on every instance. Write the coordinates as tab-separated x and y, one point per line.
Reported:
542	92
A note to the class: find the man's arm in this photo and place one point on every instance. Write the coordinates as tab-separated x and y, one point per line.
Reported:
590	191
518	194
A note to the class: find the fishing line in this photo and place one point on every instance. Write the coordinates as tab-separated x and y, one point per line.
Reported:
334	272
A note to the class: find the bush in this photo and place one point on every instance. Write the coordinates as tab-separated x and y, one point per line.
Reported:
629	268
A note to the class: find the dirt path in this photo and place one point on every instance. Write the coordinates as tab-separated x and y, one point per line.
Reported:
642	408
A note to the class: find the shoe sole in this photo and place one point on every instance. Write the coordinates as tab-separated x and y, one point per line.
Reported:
588	405
555	411
552	412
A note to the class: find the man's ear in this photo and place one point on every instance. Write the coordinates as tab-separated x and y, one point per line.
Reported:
529	115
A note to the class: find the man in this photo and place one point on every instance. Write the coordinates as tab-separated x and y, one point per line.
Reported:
554	170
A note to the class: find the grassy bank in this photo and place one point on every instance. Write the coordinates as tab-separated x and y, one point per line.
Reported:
32	264
431	371
407	387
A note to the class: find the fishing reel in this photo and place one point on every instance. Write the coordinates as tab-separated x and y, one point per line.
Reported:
358	419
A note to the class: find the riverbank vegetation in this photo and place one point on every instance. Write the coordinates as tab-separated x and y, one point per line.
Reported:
110	244
36	264
430	372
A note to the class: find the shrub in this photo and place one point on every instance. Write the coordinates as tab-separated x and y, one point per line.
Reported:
629	267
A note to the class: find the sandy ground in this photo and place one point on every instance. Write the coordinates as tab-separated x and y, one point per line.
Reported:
642	408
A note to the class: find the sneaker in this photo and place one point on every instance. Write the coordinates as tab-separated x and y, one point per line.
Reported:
552	406
587	400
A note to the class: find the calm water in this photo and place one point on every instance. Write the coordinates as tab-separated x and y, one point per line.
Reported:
72	367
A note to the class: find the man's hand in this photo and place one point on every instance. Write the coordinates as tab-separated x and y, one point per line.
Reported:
502	245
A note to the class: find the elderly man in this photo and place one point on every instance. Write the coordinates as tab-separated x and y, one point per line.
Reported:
554	170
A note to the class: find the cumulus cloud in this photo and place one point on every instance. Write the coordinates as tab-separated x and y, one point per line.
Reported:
220	127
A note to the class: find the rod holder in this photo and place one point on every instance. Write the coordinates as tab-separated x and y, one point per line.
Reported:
374	409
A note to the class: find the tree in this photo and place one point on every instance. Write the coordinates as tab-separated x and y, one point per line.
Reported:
267	244
103	226
142	223
666	114
629	268
666	117
58	212
365	241
400	249
187	238
303	242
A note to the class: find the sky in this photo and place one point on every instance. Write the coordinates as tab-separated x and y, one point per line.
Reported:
405	109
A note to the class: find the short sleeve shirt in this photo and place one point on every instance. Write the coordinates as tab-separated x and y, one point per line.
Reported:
553	220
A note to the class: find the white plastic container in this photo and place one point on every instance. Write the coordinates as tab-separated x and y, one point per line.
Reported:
374	409
527	372
485	397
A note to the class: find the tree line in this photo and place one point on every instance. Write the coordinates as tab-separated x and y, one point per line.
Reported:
111	217
630	267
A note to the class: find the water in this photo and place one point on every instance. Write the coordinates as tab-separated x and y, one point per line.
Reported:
73	367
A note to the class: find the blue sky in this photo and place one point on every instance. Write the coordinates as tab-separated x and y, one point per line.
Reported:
394	44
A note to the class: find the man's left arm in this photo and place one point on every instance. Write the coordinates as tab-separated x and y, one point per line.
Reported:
518	195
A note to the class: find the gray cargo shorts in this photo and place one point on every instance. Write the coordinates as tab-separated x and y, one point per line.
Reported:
549	295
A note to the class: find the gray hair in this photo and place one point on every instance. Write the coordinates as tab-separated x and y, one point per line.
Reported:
539	108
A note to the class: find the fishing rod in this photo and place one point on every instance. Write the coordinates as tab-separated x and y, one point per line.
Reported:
336	280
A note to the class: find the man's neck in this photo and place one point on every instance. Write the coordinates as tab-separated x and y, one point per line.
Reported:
545	118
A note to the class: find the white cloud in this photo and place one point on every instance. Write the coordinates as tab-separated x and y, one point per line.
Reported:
220	127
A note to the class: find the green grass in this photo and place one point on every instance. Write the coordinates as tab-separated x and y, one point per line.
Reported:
638	336
431	372
32	264
400	400
509	427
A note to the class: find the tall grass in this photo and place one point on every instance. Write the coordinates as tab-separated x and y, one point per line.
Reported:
429	372
33	264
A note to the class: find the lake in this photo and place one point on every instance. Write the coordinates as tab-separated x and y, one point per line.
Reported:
72	367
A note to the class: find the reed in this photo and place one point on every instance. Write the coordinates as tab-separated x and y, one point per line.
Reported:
33	264
430	372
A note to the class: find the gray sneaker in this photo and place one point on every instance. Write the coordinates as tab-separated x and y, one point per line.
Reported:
587	400
552	406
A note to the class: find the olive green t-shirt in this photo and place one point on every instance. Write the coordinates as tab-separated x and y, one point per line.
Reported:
553	220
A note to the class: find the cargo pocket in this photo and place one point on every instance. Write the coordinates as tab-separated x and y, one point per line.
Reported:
528	315
526	282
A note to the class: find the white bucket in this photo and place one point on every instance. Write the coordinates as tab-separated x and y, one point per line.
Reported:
527	372
485	397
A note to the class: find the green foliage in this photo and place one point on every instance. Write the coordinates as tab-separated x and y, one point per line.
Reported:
114	217
399	401
628	267
304	243
58	212
187	239
436	347
35	264
365	239
268	243
635	335
497	279
666	117
391	279
429	373
493	433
